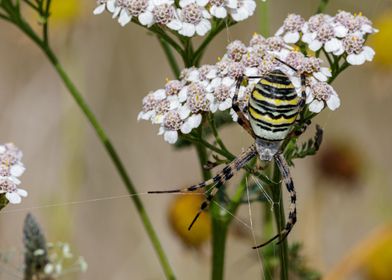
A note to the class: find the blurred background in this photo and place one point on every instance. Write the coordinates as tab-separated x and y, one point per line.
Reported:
344	193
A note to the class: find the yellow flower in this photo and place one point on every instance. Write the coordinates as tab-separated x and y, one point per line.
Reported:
382	41
65	11
378	264
181	213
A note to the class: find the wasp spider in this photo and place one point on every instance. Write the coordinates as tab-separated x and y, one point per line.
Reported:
272	110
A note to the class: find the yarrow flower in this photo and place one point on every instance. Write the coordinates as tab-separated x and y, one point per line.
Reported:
191	17
180	106
11	168
344	34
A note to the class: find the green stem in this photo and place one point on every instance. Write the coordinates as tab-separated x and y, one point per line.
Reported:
264	23
211	121
170	57
280	222
215	31
219	235
105	142
322	6
46	22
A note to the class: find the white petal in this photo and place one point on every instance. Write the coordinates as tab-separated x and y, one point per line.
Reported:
159	94
368	52
225	104
339	51
326	71
333	102
320	76
203	27
17	170
124	18
13	198
175	24
116	12
280	31
111	5
296	81
187	29
251	71
196	120
183	94
308	37
356	59
232	4
240	14
227	81
184	3
202	2
316	106
22	192
146	18
171	136
213	107
206	14
184	112
219	12
340	31
315	45
291	37
234	115
332	45
99	10
161	130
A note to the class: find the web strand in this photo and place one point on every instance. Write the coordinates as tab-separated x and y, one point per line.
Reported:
252	229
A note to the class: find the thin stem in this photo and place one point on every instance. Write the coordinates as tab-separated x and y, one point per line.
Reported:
170	57
31	5
211	121
215	31
264	23
280	222
340	69
46	22
322	6
103	137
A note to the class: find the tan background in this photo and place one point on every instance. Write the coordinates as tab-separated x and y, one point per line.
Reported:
115	67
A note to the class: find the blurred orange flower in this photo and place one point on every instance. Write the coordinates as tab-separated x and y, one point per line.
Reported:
181	213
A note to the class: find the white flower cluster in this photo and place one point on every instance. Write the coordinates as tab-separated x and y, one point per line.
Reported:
342	34
211	88
190	17
11	168
60	258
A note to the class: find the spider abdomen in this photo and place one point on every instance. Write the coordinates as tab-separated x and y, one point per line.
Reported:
273	106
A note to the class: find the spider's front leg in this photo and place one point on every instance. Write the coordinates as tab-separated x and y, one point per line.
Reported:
242	119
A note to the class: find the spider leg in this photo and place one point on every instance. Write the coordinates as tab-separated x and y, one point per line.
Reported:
242	120
225	174
222	177
292	217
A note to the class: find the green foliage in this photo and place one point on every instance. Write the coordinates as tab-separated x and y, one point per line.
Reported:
3	201
308	148
298	266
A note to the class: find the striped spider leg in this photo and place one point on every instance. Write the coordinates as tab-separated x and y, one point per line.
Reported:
217	181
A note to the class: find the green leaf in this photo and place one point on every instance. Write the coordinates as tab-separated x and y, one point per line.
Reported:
293	150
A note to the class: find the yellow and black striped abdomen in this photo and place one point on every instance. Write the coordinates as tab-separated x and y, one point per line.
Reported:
273	106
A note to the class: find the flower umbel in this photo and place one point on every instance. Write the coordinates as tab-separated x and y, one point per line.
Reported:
11	168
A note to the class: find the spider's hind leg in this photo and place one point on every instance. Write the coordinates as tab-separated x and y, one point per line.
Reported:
292	217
